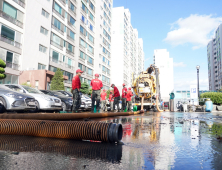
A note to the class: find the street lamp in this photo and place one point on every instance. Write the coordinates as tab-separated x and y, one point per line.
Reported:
198	67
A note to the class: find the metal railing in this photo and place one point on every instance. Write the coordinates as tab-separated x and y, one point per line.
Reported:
74	1
11	42
21	3
90	63
70	24
63	2
56	61
69	52
56	45
73	12
70	38
60	31
69	66
62	17
12	65
11	19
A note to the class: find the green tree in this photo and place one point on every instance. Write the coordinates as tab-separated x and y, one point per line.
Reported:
26	84
84	88
90	91
2	70
57	81
108	93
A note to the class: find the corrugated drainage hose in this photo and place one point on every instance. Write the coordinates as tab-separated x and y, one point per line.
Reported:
92	150
90	130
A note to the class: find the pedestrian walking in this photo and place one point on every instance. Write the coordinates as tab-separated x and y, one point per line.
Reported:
124	91
116	96
128	99
76	85
103	100
162	104
111	100
97	85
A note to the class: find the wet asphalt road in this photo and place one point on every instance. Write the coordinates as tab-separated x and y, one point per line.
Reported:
151	141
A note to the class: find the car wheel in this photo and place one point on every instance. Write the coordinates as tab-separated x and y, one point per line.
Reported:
3	105
63	106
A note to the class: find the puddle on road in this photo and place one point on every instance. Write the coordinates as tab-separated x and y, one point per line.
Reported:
152	141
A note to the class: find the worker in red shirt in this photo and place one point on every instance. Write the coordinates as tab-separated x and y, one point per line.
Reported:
97	85
116	97
76	85
111	100
103	100
124	90
128	99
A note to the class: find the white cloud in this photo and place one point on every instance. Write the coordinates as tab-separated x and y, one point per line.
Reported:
180	64
195	29
147	59
185	85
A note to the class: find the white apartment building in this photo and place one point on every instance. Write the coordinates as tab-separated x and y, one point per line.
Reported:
12	27
127	49
214	61
65	34
163	61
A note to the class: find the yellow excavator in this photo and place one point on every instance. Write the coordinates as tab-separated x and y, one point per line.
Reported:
146	87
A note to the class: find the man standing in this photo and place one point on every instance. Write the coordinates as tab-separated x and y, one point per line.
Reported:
103	100
76	85
97	85
128	99
124	91
111	100
116	97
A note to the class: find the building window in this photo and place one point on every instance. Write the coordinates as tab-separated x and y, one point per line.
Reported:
72	34
90	49
41	66
9	57
10	79
44	31
10	10
72	21
91	38
7	33
83	55
91	27
89	71
57	23
104	59
90	60
58	8
64	58
91	16
84	8
55	56
36	84
42	48
45	14
92	6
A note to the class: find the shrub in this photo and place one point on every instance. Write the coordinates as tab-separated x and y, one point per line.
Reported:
215	97
57	81
84	88
2	70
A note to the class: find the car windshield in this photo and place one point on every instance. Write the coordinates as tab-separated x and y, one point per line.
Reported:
14	88
32	90
57	93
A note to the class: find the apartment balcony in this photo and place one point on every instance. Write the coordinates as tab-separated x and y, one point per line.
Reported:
82	47
69	66
57	61
21	3
71	25
60	31
11	19
11	42
73	12
70	38
12	65
92	53
70	52
63	2
58	14
91	64
74	1
56	45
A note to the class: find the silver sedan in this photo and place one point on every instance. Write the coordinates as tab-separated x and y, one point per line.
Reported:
43	102
10	100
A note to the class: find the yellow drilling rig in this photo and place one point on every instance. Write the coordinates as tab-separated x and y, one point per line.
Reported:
146	87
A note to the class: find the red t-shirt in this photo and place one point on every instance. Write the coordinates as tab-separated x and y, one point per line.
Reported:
76	82
124	90
96	84
129	95
103	96
116	92
111	98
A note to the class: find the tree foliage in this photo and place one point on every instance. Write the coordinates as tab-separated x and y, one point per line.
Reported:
90	92
108	93
2	70
84	88
26	84
215	97
57	81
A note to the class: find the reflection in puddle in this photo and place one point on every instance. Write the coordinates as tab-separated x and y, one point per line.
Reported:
152	141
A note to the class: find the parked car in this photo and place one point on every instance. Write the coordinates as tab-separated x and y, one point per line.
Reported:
15	101
43	102
66	101
86	101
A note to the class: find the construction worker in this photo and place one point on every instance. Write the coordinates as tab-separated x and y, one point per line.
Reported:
76	85
97	85
116	96
128	99
124	91
111	100
103	100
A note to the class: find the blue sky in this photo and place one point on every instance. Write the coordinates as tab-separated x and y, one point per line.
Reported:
183	27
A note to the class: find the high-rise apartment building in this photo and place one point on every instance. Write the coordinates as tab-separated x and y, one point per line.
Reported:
65	34
214	61
12	28
162	60
127	49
